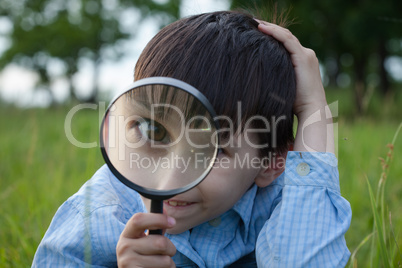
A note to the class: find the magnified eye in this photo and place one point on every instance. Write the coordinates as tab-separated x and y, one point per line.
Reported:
152	130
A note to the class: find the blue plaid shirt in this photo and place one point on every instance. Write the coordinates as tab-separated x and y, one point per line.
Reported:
297	221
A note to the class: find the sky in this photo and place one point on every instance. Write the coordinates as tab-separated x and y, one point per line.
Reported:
17	83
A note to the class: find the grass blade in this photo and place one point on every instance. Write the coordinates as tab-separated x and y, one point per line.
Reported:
397	250
353	261
378	224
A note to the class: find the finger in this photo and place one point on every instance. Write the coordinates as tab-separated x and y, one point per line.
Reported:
272	24
260	21
154	261
153	245
270	28
139	222
283	35
265	22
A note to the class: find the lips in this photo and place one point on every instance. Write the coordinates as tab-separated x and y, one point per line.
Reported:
176	203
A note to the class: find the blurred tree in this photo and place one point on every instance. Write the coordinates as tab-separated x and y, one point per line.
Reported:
67	31
349	37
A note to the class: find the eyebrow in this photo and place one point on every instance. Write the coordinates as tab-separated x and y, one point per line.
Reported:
163	116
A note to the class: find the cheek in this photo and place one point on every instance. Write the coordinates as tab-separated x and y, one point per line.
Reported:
223	188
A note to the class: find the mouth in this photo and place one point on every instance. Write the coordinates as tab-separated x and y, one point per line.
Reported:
177	203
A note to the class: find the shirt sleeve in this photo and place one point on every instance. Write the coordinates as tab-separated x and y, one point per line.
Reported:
76	239
85	229
307	226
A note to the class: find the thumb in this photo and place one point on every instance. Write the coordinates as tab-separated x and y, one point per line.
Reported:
139	222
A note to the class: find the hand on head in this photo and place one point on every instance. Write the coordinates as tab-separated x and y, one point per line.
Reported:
315	131
310	91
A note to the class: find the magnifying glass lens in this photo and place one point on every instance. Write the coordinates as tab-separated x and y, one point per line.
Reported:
159	137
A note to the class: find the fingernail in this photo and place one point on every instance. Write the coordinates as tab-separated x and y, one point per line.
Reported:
171	221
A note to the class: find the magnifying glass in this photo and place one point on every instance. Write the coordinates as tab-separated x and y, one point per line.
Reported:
160	138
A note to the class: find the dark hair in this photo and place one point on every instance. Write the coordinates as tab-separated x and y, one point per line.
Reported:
228	59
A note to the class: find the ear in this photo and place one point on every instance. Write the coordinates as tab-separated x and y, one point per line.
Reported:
272	168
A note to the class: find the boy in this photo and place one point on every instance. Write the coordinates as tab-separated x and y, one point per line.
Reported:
270	215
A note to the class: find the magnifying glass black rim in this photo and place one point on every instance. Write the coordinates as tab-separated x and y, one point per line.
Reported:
151	193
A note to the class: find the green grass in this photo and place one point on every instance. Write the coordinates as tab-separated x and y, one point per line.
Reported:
40	169
360	146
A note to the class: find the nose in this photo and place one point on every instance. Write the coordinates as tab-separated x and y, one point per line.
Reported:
186	165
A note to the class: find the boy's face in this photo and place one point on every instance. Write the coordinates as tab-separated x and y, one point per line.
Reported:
234	172
219	191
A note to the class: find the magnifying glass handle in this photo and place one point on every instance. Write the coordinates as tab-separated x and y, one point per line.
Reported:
156	207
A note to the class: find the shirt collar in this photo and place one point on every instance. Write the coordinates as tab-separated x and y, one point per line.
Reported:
244	208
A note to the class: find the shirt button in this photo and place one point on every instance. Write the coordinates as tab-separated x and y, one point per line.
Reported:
215	222
303	169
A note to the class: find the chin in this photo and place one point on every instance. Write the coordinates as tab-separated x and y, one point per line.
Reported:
178	229
175	232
